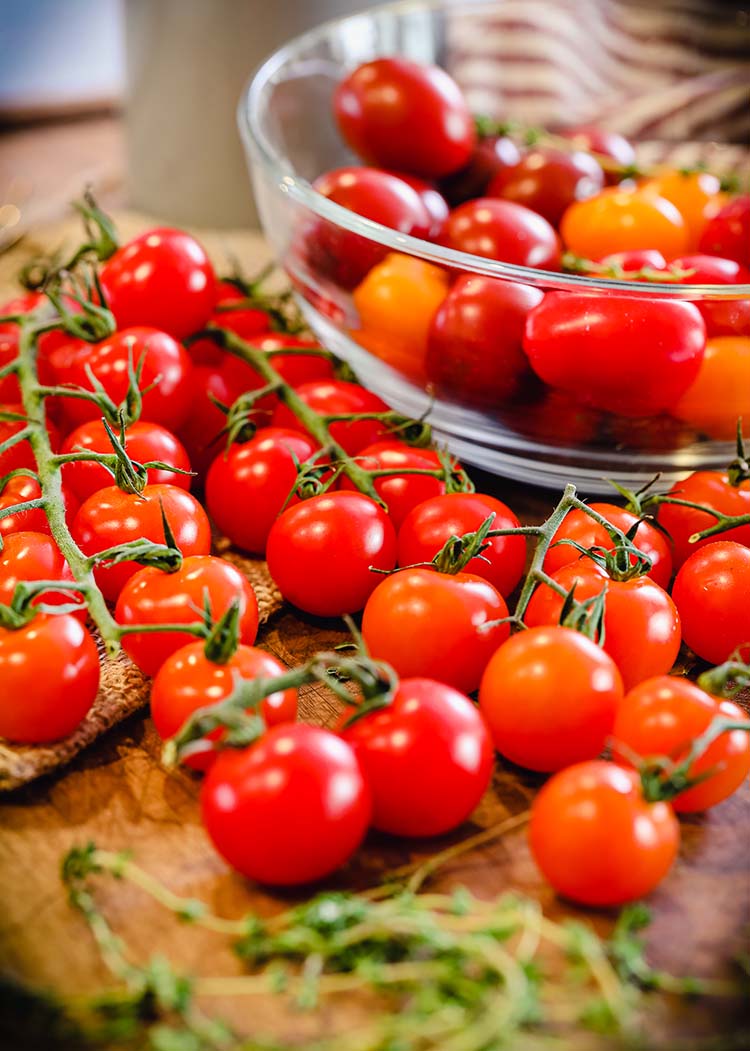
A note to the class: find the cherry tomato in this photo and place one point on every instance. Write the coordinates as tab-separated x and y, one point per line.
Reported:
9	389
711	270
48	341
710	591
302	793
399	114
491	155
720	393
295	368
712	489
726	317
547	180
29	556
164	279
579	526
641	623
19	490
49	669
144	442
618	220
427	757
435	625
188	680
663	716
153	596
322	552
728	233
636	259
110	517
21	454
433	200
595	837
550	697
434	521
556	417
401	492
335	397
625	355
259	474
503	230
474	350
248	323
692	193
604	142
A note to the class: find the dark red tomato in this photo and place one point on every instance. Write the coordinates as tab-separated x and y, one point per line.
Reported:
727	234
711	270
21	454
641	622
29	556
726	317
322	552
50	674
9	389
335	397
547	180
163	279
712	489
663	716
607	143
401	492
490	156
20	489
258	474
474	350
429	525
580	527
711	591
427	757
400	114
188	680
302	792
433	200
550	697
435	625
595	837
144	442
110	517
503	230
625	355
152	596
636	259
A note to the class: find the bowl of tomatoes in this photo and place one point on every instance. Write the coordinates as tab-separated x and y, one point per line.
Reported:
561	300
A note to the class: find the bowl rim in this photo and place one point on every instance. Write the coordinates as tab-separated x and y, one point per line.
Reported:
302	192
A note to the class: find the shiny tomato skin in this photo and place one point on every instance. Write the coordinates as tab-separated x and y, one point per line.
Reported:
400	492
712	489
50	674
662	717
110	517
696	196
620	220
295	368
550	697
579	526
547	180
431	523
503	230
726	317
711	592
433	625
153	596
720	393
400	114
641	623
321	552
636	259
474	350
164	279
290	809
427	757
334	397
21	454
21	489
635	357
144	442
727	233
604	142
259	474
29	556
432	199
491	154
596	839
711	270
188	680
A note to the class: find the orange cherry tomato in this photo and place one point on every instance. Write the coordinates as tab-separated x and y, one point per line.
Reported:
721	391
695	195
619	220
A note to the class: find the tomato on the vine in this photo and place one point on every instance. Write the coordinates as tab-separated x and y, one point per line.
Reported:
711	592
13	421
334	398
19	490
712	489
30	556
503	230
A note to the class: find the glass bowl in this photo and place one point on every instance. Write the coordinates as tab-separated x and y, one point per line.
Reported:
290	137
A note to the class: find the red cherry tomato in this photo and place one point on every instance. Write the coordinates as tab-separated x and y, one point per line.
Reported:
433	200
162	279
110	517
9	389
50	674
630	356
503	230
401	492
29	556
247	322
322	552
728	233
710	591
427	757
19	490
663	716
399	114
636	259
547	180
490	156
20	454
188	680
474	350
295	368
726	317
301	790
429	525
258	474
48	341
712	489
550	697
595	837
334	397
607	143
711	270
641	623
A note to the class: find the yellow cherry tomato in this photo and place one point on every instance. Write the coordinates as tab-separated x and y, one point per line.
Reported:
695	195
618	220
721	391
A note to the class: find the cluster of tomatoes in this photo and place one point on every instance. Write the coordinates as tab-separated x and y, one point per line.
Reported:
569	201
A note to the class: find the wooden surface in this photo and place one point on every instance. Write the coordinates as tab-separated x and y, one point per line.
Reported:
118	795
